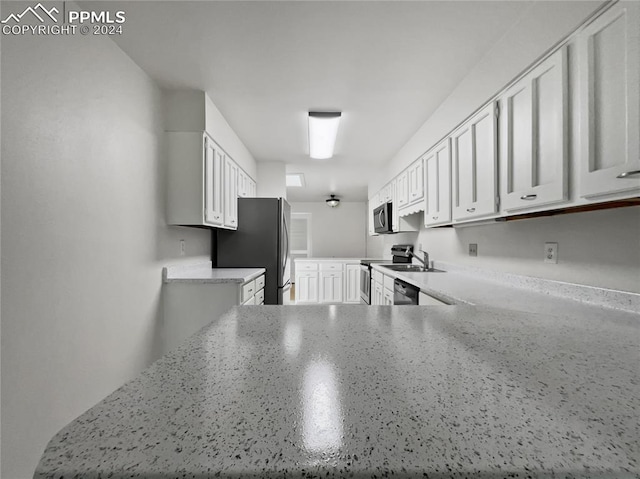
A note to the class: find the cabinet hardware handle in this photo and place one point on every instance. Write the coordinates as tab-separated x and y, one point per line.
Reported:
435	217
528	197
471	210
626	174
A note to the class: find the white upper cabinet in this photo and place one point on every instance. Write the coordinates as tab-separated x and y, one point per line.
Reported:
416	181
437	166
474	159
402	189
533	137
214	160
230	193
609	58
194	180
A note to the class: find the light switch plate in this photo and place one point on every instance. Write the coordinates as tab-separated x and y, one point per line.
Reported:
473	249
551	252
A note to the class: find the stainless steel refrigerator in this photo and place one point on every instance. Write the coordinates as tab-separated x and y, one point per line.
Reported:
261	241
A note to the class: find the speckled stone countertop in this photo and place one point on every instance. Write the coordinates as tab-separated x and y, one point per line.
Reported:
204	273
357	391
522	293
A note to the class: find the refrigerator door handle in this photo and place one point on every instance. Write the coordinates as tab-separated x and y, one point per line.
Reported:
286	251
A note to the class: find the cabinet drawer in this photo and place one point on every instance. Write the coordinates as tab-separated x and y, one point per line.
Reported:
260	297
378	277
304	266
250	302
330	266
260	283
248	290
388	282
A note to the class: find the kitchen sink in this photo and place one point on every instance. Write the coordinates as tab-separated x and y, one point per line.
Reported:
411	268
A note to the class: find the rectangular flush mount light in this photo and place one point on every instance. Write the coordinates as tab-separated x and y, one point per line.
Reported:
323	129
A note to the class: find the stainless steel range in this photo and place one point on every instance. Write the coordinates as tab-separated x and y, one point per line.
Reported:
365	272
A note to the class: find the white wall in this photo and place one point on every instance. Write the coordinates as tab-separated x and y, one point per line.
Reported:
597	248
83	233
336	232
272	179
193	110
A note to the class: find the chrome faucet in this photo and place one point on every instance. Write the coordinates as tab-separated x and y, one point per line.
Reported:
424	260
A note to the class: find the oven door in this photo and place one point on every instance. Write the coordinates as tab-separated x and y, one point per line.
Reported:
365	284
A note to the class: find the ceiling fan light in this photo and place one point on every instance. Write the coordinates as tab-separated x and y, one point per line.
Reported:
333	201
323	130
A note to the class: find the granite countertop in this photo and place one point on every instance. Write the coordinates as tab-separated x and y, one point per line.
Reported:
204	273
354	391
458	285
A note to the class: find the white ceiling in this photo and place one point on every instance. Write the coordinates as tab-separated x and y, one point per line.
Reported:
386	65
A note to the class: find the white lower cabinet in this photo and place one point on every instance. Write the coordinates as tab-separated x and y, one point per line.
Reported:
609	57
327	281
330	290
377	293
306	287
253	292
352	283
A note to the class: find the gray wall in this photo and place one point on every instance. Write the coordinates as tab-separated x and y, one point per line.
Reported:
83	233
597	248
336	232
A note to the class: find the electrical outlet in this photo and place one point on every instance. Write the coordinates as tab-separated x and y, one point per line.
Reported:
551	252
473	249
183	247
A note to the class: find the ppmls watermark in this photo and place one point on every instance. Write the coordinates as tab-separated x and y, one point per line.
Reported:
40	20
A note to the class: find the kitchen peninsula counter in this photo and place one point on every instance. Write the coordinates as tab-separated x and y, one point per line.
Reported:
357	391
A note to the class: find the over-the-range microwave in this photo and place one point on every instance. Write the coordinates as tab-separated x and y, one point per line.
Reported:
382	219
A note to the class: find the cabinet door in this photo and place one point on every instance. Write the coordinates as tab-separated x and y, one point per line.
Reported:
307	287
230	193
212	183
437	209
474	166
352	283
609	57
533	137
387	299
377	296
416	182
330	287
402	189
243	184
251	188
395	216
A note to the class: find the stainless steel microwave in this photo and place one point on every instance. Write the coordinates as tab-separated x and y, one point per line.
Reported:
382	219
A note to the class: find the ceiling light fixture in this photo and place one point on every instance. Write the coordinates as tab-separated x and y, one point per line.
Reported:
323	129
333	201
295	179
